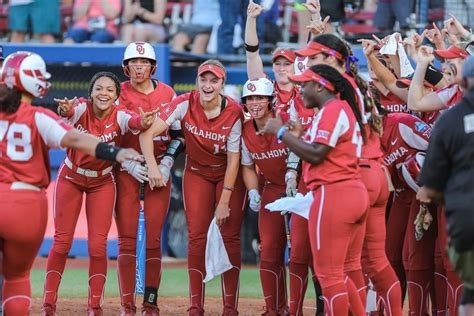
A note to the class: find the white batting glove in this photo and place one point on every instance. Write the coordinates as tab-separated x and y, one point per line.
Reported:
291	184
136	170
254	199
165	167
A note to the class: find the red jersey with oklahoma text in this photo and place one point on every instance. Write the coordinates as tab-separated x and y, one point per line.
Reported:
132	99
109	129
371	148
334	126
403	136
265	152
207	140
25	137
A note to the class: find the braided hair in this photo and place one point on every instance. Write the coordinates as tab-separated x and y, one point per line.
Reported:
352	68
107	74
345	90
10	99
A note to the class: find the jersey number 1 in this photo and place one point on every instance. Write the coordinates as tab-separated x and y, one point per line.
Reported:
18	138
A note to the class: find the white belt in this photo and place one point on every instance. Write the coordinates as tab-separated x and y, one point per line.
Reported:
86	172
23	186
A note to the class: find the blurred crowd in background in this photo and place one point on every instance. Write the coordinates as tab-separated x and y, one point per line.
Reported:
213	26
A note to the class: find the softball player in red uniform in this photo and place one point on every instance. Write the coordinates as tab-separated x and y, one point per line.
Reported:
212	127
330	169
26	134
331	50
79	174
287	98
270	157
139	63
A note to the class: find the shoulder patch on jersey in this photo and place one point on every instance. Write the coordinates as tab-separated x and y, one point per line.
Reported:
421	126
322	134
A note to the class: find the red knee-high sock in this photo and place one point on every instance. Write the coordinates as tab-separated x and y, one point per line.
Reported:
196	272
230	285
54	272
153	264
97	278
336	299
355	303
388	288
16	295
298	285
359	281
440	291
283	293
419	283
126	276
455	289
269	275
401	276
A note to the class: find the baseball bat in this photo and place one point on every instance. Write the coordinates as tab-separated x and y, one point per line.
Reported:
286	218
141	246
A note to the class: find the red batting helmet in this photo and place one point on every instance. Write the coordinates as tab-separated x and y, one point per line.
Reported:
411	169
26	71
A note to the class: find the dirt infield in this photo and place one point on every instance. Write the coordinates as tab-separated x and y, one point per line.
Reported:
168	306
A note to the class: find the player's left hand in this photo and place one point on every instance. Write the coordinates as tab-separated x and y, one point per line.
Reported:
147	118
222	213
165	167
128	154
272	126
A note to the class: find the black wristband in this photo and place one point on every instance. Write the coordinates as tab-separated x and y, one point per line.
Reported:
175	147
251	48
106	151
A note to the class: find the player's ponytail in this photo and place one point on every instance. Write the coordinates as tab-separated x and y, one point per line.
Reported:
343	88
342	51
10	99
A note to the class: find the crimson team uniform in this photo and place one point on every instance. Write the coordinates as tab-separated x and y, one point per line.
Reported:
207	144
404	135
371	236
128	198
333	221
25	137
300	255
80	173
449	96
270	157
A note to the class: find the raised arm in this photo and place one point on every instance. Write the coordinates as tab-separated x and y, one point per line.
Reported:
254	61
417	101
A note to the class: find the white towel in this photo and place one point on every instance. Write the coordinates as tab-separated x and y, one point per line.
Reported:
217	260
393	48
300	204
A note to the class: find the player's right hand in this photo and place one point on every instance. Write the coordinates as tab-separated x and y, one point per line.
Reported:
155	178
65	105
254	10
254	200
165	167
136	170
128	154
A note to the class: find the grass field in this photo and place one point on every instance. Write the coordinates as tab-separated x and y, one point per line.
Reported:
174	282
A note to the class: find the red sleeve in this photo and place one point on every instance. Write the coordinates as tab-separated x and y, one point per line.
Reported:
135	122
167	110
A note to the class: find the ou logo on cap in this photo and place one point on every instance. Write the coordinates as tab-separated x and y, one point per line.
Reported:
251	87
140	49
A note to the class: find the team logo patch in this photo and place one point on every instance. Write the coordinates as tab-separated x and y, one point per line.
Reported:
251	87
140	49
323	134
421	127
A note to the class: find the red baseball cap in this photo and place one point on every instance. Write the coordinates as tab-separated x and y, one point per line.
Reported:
315	48
216	70
309	75
452	52
288	54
